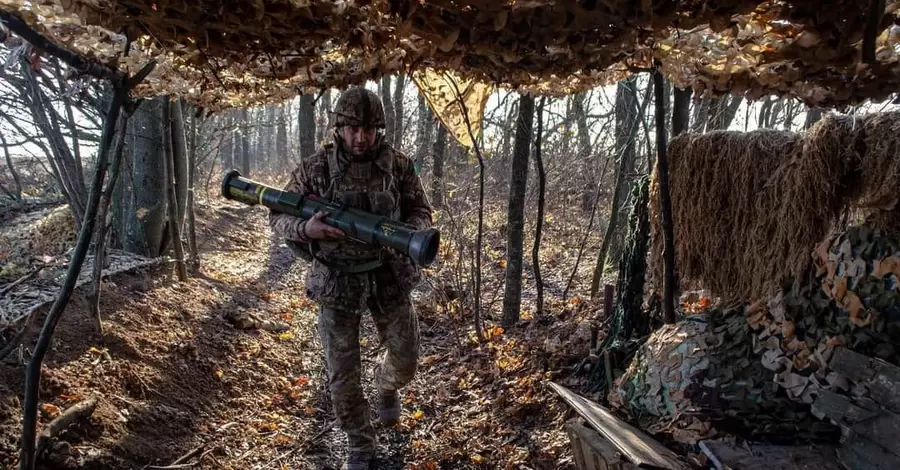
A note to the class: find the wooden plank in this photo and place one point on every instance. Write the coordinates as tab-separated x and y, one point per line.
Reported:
581	462
881	378
880	426
591	451
636	446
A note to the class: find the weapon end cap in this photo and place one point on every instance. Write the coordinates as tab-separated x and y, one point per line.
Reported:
425	245
226	182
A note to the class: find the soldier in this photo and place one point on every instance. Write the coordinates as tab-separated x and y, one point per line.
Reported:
359	169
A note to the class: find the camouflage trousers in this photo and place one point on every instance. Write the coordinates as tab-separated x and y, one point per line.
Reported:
398	331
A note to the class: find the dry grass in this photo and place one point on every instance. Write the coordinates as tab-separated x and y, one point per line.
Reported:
749	206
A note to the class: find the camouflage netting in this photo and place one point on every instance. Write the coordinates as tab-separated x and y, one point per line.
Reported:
225	54
755	369
854	302
749	206
698	377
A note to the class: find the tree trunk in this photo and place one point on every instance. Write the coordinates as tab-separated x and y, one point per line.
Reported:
722	111
388	109
506	145
100	239
243	144
398	111
633	265
421	125
228	140
542	183
145	220
437	173
179	154
512	298
17	195
813	115
626	130
323	125
701	115
281	141
171	193
627	125
772	118
306	121
681	110
589	181
764	110
194	254
268	150
665	203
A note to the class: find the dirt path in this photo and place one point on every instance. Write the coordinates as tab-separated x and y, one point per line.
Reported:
174	371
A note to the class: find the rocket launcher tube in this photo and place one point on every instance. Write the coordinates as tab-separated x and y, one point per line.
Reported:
365	227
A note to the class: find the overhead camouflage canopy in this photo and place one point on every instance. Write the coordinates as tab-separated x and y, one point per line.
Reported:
221	54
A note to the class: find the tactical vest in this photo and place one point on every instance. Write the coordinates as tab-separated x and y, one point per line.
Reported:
365	185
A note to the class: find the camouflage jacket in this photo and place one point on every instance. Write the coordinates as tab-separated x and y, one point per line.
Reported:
388	186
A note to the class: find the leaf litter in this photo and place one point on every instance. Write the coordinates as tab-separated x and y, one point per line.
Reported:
173	372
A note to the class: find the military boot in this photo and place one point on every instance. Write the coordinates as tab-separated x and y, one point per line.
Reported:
388	407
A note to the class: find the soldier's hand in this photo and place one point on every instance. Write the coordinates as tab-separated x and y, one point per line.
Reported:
316	229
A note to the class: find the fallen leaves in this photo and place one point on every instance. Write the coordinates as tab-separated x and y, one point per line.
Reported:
49	410
286	335
492	333
429	360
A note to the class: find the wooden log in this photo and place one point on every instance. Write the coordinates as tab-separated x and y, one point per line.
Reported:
880	378
65	419
640	449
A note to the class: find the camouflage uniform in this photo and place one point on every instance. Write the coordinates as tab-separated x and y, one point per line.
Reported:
384	182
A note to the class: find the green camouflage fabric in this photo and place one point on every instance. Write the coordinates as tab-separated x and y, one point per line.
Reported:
398	331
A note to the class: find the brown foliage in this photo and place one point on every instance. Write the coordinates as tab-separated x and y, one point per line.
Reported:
749	206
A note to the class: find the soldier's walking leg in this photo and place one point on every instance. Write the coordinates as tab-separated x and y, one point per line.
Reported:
398	330
339	331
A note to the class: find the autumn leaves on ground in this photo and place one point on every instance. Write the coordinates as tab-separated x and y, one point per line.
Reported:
184	367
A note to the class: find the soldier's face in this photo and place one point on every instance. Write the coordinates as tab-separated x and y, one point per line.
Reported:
359	139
